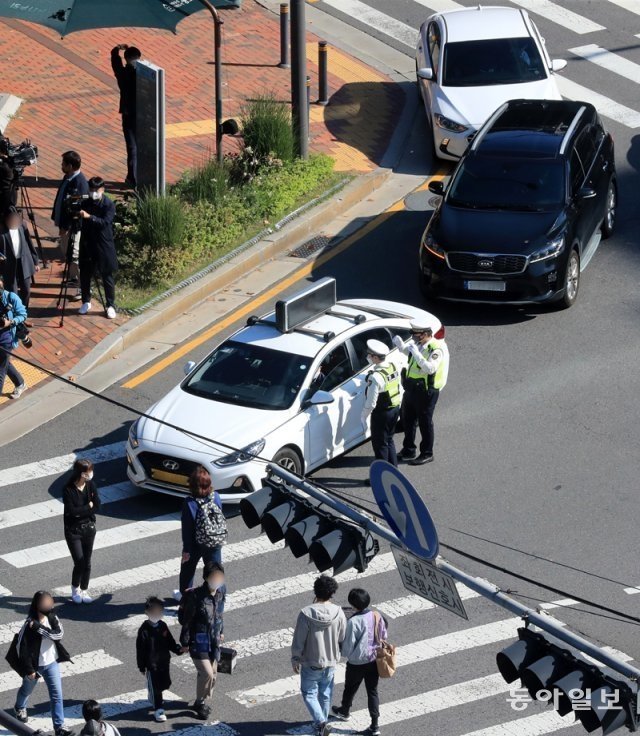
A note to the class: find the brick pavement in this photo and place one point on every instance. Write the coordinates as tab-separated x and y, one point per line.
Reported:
70	101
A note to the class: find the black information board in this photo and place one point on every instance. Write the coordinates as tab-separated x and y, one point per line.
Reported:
150	122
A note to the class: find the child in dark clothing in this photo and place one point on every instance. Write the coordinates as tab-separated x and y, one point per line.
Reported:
153	647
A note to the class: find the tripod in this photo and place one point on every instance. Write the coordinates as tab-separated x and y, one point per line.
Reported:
74	229
25	204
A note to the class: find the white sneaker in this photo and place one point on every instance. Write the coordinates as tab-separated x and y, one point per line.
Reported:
177	595
76	597
86	306
111	313
86	598
160	716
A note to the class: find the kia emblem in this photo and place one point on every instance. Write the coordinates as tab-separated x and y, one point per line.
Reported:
485	263
170	464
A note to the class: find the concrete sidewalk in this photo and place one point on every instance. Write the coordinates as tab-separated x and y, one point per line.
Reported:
70	101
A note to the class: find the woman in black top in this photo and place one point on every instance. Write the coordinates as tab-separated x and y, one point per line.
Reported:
81	501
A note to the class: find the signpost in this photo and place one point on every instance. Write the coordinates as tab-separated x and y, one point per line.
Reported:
427	581
150	121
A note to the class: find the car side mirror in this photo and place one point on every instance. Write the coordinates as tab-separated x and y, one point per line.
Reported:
318	398
437	187
557	65
586	193
188	367
425	73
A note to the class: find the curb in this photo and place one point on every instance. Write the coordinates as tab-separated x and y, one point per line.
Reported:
9	106
139	328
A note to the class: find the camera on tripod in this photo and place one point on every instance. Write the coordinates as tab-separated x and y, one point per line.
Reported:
73	204
19	155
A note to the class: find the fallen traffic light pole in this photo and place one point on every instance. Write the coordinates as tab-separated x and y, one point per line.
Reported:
337	535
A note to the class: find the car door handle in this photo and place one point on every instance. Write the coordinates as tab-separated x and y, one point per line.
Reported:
356	393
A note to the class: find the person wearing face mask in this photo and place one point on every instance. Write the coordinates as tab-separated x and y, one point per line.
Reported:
153	653
12	313
125	74
19	257
201	614
97	247
81	502
40	649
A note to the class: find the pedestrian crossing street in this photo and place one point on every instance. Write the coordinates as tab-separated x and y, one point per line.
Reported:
446	679
610	83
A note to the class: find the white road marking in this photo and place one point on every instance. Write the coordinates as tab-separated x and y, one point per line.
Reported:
633	6
4	592
60	464
605	106
561	16
439	6
536	725
55	507
8	630
87	662
170	568
378	21
116	535
417	651
632	591
607	60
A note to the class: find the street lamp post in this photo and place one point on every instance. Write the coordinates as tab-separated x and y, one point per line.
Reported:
299	107
218	75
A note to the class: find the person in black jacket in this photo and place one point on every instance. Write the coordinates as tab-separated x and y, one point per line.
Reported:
125	73
8	178
153	649
19	257
39	650
97	247
201	616
81	502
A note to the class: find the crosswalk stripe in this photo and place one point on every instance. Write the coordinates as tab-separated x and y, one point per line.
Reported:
375	19
55	507
60	464
633	6
82	663
4	592
607	60
265	592
418	651
439	6
537	725
605	106
8	630
562	16
116	535
155	571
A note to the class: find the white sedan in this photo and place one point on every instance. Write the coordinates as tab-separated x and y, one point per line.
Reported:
471	61
291	395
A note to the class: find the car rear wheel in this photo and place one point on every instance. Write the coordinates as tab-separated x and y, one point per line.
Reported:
571	280
289	460
610	209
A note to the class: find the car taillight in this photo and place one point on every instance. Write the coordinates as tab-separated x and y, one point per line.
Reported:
440	333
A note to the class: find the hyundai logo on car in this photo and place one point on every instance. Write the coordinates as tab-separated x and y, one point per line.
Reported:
170	464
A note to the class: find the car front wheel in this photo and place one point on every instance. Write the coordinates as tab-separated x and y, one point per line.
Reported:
571	280
610	209
289	460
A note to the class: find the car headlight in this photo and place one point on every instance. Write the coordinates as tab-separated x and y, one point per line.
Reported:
241	456
448	124
133	434
550	250
433	247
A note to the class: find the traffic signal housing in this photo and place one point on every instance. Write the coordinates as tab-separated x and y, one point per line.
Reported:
307	527
552	673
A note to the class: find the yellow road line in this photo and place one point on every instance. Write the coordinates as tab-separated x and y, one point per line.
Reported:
268	295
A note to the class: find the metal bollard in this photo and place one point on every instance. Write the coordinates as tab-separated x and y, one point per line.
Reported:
323	85
284	37
308	93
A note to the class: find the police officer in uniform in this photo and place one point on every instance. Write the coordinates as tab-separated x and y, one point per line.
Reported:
382	401
427	372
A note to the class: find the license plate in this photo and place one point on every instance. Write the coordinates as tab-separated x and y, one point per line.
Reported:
485	285
173	478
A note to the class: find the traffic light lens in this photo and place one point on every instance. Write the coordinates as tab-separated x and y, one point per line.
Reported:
254	506
300	535
512	659
276	522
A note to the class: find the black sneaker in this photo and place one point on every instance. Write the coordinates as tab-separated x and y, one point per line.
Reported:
422	458
324	729
62	731
406	454
21	714
339	714
370	731
203	711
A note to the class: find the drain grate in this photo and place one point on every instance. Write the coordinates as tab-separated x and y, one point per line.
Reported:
320	242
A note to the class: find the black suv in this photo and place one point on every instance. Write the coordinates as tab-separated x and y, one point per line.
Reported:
525	208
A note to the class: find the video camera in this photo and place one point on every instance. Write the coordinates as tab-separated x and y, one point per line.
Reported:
22	333
20	155
73	204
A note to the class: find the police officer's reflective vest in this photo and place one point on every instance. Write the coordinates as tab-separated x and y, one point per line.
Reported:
434	380
390	396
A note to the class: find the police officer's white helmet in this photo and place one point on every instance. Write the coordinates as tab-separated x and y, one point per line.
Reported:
418	325
378	348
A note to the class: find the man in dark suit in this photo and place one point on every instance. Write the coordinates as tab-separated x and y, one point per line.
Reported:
97	247
8	178
73	184
125	73
19	257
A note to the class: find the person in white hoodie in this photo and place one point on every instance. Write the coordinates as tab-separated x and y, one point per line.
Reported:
364	630
315	651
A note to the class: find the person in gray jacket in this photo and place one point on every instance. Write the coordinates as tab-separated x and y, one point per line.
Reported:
315	651
364	630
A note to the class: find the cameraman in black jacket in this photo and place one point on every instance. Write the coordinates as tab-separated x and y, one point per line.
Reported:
8	178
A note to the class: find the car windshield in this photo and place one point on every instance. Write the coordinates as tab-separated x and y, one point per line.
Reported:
249	375
495	61
526	184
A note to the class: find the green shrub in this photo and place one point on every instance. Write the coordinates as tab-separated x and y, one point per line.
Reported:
266	128
208	182
161	221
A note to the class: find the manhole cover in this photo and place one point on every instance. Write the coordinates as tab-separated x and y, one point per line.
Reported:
418	202
320	242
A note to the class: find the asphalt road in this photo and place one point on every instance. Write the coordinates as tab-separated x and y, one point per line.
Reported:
536	457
